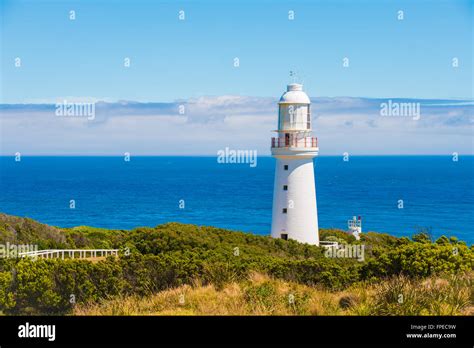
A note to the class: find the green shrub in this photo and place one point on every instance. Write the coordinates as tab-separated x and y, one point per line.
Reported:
174	254
262	297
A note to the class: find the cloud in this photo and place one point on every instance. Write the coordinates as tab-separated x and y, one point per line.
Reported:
202	126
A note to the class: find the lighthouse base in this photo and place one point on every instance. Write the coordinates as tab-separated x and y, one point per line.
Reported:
294	213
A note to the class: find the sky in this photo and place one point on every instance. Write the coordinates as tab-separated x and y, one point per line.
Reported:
172	59
351	56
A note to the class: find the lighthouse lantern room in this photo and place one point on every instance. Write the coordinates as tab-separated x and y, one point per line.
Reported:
294	214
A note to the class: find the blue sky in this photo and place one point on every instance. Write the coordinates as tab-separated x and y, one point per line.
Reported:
173	59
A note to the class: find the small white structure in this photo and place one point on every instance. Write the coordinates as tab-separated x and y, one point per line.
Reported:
355	226
294	213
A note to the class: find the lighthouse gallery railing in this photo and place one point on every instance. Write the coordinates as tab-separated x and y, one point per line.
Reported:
294	142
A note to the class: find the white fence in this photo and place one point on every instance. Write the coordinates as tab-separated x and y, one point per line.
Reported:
70	253
329	244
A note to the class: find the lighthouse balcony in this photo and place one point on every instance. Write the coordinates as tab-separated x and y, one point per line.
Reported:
293	142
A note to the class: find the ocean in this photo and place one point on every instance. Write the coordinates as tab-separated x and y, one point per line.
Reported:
436	192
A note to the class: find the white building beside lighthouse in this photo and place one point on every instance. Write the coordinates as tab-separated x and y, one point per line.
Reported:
294	213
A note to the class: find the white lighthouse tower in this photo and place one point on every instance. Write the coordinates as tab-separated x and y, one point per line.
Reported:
294	213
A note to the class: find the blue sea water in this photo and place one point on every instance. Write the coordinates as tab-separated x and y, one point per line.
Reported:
437	193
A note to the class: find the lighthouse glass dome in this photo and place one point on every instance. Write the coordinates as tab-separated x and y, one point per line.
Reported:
294	109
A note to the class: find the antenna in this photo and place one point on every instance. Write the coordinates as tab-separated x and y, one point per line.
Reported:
293	75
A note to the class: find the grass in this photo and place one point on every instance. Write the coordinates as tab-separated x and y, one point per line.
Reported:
450	295
262	295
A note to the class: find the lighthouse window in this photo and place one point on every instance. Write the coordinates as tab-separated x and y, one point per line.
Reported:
284	236
285	187
284	211
308	119
285	167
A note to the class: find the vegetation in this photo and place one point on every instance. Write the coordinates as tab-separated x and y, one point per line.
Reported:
156	263
261	295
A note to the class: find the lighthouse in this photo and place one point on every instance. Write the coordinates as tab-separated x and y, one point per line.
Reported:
294	214
355	227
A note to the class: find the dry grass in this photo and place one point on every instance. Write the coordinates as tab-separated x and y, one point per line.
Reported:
261	295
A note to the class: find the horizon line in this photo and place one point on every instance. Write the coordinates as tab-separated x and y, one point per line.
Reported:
212	156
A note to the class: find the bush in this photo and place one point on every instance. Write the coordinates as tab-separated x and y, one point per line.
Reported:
174	254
